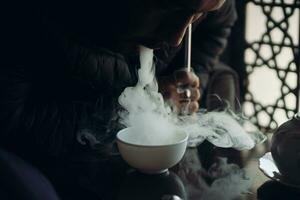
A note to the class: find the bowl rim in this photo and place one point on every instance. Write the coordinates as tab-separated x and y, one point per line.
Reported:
139	145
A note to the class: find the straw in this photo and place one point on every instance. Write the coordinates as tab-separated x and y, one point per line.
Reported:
189	47
187	61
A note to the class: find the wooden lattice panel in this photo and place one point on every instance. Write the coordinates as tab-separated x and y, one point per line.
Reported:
272	61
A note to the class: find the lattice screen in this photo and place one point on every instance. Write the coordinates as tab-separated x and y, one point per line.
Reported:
272	61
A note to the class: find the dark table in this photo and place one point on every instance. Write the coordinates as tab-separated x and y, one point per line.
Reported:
188	180
113	180
179	183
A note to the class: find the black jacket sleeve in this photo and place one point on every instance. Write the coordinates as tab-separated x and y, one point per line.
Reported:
210	34
43	111
52	88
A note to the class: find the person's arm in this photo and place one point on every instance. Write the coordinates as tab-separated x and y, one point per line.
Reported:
51	87
44	114
210	36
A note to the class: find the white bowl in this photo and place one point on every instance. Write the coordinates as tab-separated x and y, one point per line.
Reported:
151	158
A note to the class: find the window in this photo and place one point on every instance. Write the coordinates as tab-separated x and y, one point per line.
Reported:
272	66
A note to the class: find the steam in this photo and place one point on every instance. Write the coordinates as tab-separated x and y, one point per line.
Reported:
85	137
152	121
146	113
228	181
220	129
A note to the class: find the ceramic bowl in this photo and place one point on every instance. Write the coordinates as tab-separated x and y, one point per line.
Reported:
151	158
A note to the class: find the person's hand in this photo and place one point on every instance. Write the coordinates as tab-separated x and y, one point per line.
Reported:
181	89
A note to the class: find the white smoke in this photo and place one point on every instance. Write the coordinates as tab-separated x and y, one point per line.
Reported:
146	113
228	181
220	129
152	121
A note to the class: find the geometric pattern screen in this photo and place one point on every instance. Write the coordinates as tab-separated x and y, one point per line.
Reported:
272	61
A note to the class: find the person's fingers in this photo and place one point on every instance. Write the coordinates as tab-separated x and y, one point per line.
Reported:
193	107
182	77
185	78
195	94
195	81
186	99
186	94
169	91
184	106
187	106
177	105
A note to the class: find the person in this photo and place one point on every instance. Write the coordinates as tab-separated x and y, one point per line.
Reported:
66	63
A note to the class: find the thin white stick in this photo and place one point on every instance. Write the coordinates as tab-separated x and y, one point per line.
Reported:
189	48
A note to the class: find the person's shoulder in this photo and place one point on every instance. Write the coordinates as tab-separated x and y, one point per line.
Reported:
225	15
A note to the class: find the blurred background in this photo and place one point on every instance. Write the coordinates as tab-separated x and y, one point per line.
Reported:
264	50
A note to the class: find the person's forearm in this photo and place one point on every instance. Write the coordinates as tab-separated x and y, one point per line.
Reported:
34	118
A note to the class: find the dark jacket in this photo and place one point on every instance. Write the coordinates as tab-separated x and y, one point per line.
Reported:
58	91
